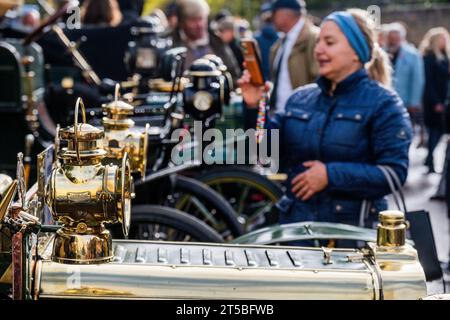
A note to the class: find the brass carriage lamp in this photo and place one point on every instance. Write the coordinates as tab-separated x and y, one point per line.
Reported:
228	79
121	136
391	231
83	194
204	96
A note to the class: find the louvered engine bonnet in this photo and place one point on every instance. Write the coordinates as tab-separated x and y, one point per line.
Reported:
154	270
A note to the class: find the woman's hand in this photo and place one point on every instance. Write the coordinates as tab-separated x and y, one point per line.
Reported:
252	94
313	180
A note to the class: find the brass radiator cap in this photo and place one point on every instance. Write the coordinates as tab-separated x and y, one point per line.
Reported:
391	231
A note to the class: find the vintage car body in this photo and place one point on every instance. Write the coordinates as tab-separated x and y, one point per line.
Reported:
388	269
161	270
78	259
166	270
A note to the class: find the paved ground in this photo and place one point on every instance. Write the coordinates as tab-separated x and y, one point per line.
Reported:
419	187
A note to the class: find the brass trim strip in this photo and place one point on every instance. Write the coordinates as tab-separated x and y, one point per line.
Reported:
377	282
7	276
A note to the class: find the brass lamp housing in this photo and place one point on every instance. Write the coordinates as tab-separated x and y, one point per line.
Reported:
83	194
122	137
160	85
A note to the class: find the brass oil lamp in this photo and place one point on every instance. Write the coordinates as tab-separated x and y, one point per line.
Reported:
122	137
83	194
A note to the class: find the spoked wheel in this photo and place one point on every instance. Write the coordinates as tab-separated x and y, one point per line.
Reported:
202	202
252	196
158	223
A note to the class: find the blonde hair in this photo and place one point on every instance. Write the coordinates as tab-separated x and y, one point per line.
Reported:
379	67
430	43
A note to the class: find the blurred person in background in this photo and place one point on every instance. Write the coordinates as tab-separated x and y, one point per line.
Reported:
435	48
6	5
131	10
292	56
171	11
334	133
382	35
226	30
243	28
223	13
158	13
104	13
24	19
408	76
31	18
266	37
6	20
193	32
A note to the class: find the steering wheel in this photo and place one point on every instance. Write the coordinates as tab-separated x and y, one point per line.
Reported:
39	31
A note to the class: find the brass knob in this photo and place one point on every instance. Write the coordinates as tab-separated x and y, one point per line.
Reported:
81	228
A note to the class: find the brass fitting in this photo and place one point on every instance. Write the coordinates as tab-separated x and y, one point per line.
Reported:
83	194
122	137
391	231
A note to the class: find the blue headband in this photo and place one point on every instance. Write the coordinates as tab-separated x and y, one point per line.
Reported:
353	33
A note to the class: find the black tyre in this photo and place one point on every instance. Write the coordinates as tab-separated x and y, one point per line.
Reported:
252	195
152	222
197	199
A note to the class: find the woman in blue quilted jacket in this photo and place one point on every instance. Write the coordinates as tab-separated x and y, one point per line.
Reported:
335	133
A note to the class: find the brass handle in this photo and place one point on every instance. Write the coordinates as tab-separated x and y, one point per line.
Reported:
57	141
75	127
8	198
125	194
22	187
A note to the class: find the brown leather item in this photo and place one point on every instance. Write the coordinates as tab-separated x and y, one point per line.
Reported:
17	265
252	61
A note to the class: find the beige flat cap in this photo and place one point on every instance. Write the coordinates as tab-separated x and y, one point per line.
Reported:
193	8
